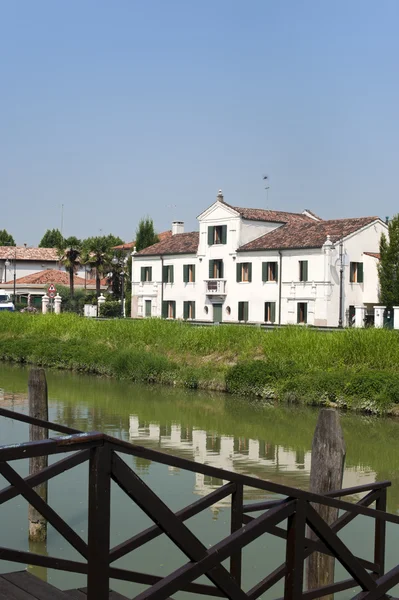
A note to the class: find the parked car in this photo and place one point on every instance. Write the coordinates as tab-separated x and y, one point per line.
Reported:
5	301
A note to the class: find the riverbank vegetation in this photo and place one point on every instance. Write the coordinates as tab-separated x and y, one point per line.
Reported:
356	369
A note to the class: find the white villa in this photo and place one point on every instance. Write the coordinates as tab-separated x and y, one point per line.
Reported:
260	266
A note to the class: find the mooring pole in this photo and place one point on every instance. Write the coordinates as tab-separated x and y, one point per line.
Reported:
38	408
326	473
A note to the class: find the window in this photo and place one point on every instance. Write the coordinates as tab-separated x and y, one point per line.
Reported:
302	312
356	272
217	234
244	272
270	312
167	274
269	271
303	270
243	311
215	269
188	273
169	309
146	274
189	310
148	308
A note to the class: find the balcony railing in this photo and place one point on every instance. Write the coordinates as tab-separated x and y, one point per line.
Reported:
215	286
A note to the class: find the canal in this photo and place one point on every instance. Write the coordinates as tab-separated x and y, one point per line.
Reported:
247	437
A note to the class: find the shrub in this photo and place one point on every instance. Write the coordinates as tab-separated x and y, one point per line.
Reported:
110	309
256	377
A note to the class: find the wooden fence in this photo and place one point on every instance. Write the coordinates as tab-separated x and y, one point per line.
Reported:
295	508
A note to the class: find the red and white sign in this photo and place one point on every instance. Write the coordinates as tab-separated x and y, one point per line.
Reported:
51	291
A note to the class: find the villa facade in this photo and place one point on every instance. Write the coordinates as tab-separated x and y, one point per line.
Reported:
260	266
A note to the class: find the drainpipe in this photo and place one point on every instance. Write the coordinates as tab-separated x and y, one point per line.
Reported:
161	285
279	286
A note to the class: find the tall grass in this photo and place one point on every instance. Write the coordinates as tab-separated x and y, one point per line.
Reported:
175	352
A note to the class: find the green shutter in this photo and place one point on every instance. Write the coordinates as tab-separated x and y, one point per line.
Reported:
211	269
273	312
240	311
221	270
224	234
164	274
264	271
193	268
305	270
211	235
276	271
305	312
164	309
185	273
298	313
173	302
142	275
239	278
193	311
360	275
171	277
246	307
185	310
249	272
149	273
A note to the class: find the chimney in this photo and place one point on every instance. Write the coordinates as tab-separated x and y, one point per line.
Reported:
177	227
387	220
219	197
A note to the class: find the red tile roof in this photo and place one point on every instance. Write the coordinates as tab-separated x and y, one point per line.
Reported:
273	216
373	254
309	234
22	253
130	245
49	276
180	243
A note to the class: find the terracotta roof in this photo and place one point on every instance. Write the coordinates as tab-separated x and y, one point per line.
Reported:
273	216
50	276
373	254
22	253
130	245
180	243
309	234
310	212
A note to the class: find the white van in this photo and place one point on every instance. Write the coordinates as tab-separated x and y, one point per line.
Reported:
5	301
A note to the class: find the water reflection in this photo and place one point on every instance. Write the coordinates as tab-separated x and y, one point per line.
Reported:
256	457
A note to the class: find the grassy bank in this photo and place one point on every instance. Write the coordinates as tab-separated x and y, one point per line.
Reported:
358	369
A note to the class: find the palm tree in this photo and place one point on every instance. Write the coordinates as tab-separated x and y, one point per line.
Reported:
70	256
98	253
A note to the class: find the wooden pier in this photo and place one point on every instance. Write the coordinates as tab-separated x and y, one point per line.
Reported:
288	517
24	586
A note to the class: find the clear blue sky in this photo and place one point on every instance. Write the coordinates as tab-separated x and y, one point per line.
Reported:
121	109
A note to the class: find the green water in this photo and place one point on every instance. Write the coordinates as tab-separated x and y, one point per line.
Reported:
247	437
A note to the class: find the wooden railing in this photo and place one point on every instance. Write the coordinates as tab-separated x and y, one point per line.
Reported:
295	507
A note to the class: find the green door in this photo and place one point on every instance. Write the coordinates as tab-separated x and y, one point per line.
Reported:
148	308
217	313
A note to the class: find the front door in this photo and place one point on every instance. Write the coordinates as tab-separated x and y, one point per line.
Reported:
217	313
148	308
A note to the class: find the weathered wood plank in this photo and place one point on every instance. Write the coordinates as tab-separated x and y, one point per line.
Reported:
34	586
38	409
8	591
326	473
112	595
76	594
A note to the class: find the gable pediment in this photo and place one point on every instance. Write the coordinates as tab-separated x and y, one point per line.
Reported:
218	211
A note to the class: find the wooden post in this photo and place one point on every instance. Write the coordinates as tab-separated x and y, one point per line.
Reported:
326	473
38	408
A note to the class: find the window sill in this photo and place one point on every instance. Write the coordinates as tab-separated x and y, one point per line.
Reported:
271	281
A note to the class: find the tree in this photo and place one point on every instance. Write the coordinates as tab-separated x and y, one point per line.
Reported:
6	238
51	239
145	234
388	268
69	252
98	253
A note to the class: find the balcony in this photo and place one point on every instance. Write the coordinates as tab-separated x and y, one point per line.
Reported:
215	287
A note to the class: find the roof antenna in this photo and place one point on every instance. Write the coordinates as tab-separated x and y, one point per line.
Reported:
267	188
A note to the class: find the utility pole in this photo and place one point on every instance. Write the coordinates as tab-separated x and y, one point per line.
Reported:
341	283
